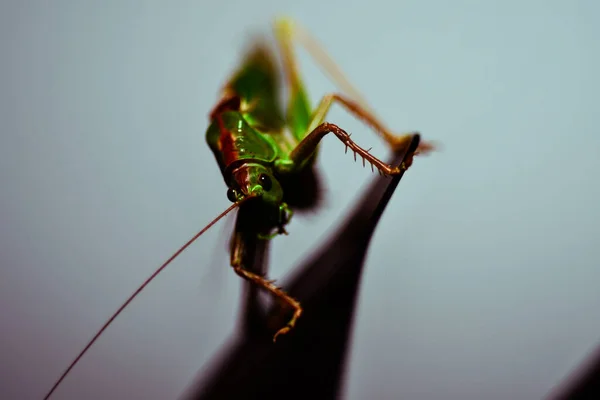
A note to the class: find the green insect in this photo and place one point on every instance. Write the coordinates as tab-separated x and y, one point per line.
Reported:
267	155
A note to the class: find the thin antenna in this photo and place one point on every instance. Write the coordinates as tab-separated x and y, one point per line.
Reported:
134	295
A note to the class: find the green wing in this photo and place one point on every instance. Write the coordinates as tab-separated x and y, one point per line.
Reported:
257	83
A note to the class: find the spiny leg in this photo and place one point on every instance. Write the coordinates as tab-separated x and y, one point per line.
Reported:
396	142
277	292
243	244
309	144
317	129
286	31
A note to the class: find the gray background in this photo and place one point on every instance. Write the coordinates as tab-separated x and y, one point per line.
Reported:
482	277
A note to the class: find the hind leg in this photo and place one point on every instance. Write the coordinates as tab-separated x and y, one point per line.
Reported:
286	32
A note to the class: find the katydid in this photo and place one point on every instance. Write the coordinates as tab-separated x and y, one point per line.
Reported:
262	152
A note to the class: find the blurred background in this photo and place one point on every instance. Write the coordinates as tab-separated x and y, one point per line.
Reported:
483	274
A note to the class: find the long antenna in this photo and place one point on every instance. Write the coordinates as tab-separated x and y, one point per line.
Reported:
134	295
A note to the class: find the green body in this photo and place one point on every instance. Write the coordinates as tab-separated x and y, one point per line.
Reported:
259	128
252	137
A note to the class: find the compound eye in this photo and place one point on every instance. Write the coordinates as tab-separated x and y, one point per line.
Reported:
232	195
265	182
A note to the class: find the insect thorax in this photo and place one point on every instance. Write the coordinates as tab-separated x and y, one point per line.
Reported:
232	140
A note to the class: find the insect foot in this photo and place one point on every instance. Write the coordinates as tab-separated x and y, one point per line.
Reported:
290	325
402	142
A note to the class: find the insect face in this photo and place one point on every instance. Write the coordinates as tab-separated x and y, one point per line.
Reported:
254	180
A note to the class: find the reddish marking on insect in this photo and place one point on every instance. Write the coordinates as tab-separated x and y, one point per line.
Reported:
243	177
228	103
226	141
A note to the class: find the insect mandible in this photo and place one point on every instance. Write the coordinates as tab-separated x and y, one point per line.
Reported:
263	152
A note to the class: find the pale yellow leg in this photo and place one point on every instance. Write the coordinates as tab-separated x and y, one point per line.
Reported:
286	31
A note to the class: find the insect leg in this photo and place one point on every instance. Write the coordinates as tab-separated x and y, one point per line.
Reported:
396	142
287	31
237	260
298	105
309	144
277	292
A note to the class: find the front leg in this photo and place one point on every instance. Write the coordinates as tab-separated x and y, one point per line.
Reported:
277	292
239	252
309	144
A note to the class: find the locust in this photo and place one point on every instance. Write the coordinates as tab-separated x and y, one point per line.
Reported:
267	154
